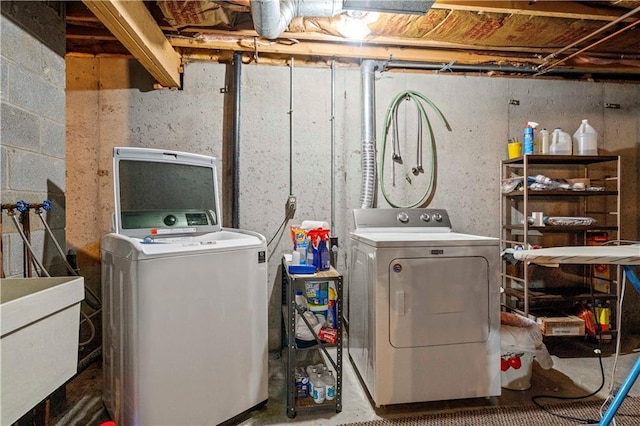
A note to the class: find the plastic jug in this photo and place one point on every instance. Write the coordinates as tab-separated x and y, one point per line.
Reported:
560	142
544	141
585	140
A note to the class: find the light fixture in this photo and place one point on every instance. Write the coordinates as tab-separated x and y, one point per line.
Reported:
354	24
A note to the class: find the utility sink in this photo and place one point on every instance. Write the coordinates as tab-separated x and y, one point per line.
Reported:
39	331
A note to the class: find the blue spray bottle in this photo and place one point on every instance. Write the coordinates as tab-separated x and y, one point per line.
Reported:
528	137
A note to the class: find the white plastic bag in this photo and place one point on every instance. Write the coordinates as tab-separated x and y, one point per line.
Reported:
523	333
302	331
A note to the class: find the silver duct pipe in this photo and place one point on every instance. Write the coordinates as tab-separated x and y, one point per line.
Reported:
272	17
368	155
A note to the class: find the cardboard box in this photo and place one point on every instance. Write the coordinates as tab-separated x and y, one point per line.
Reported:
566	325
601	272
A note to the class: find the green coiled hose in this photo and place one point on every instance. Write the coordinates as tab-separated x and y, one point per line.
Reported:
423	125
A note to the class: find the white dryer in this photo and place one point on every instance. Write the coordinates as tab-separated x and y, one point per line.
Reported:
184	300
424	308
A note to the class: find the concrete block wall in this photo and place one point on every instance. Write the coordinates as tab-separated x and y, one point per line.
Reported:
468	158
32	133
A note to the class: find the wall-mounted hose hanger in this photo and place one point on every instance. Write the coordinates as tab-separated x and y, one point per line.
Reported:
391	127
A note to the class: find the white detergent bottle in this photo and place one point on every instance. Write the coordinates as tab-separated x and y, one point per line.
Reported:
560	142
585	140
318	388
329	385
544	141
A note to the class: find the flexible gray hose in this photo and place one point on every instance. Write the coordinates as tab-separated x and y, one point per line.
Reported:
45	272
55	242
96	303
91	327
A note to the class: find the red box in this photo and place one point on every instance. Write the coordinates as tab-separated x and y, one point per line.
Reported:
329	335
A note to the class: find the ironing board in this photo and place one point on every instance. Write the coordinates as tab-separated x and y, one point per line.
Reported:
626	256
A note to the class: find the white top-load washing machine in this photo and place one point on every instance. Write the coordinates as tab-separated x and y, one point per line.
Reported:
424	308
184	300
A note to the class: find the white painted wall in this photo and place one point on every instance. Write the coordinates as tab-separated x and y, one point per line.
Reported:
468	158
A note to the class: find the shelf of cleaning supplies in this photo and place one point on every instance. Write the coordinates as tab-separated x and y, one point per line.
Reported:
559	159
529	288
331	353
560	193
302	344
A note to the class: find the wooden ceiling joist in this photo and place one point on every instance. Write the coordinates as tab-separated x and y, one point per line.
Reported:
549	9
132	24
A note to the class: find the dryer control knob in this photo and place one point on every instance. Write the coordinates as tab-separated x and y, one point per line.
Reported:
425	217
403	217
170	220
437	217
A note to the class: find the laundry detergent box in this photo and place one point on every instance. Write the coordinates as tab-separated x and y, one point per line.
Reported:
300	240
601	272
317	293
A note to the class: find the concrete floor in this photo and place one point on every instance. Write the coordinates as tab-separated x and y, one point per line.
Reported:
576	372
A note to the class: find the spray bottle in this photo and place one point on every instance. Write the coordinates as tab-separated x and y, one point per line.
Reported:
318	250
528	137
323	250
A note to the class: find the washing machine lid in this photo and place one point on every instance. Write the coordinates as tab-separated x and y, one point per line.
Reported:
161	192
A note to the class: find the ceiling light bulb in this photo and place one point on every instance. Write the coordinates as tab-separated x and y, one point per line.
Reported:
355	29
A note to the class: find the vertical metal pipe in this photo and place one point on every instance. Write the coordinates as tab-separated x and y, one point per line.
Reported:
333	145
235	138
26	228
333	249
291	127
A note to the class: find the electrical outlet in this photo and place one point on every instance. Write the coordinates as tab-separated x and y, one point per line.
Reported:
290	206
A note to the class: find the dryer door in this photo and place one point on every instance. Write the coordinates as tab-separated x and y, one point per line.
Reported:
438	301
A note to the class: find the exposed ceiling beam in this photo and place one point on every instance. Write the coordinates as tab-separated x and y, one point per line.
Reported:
207	50
341	50
546	8
135	28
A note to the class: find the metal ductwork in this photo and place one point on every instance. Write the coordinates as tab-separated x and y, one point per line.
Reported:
414	7
272	17
368	155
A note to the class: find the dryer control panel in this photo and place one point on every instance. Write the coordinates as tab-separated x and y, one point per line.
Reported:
425	219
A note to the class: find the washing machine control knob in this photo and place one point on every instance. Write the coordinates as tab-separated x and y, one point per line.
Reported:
437	217
170	220
425	217
403	217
